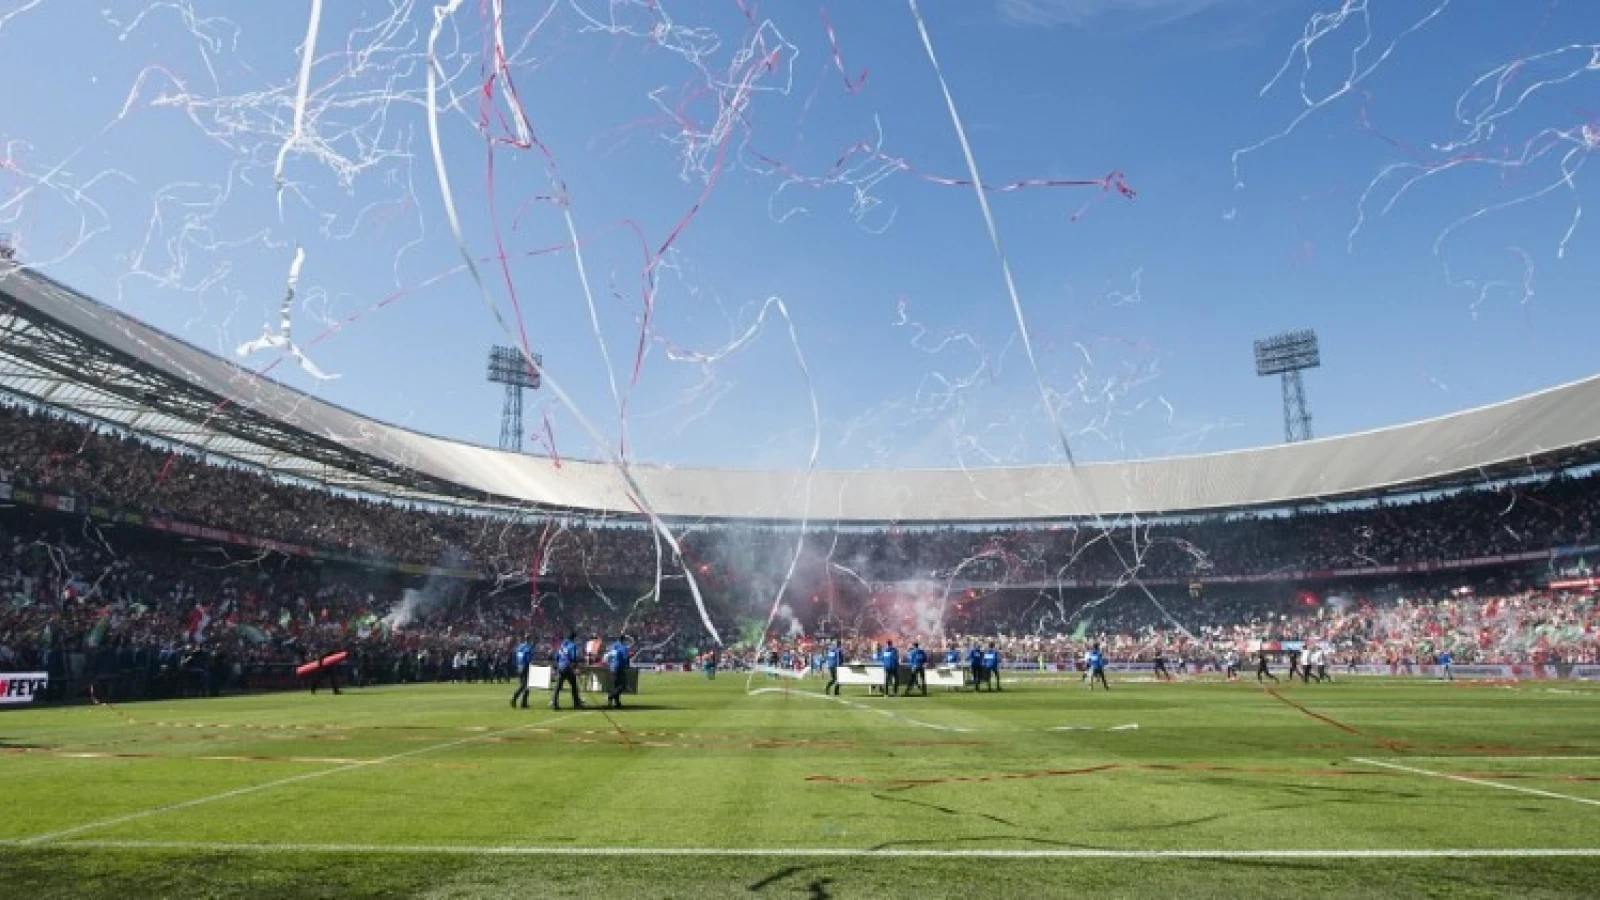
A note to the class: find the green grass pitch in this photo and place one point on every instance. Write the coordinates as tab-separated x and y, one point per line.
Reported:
707	789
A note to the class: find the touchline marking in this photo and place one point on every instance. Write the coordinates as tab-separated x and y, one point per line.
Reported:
862	706
1478	781
1508	757
834	852
293	779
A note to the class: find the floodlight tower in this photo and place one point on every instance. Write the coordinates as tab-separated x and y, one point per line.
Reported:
8	250
508	367
1287	355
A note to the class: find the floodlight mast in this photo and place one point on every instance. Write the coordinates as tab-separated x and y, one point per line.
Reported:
1287	355
8	249
508	367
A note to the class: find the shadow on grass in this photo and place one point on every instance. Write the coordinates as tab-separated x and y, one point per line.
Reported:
79	874
817	889
626	708
944	809
949	842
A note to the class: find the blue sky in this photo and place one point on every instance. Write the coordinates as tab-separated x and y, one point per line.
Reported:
142	143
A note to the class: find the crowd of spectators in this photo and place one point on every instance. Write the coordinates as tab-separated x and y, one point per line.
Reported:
144	614
98	464
152	616
156	617
1397	631
1391	627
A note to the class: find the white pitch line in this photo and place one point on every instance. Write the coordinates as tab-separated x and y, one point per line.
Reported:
1478	781
255	788
829	852
1508	758
864	707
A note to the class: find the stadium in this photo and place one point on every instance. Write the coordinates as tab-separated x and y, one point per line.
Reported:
266	634
131	583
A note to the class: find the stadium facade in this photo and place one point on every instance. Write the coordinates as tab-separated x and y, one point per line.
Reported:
61	348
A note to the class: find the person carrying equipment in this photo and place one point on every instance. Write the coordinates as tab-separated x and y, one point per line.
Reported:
566	672
833	660
523	658
325	669
890	657
917	659
617	659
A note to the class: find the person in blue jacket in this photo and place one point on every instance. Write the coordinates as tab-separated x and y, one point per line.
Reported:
522	657
890	658
566	672
917	661
618	660
833	661
975	664
991	665
1097	667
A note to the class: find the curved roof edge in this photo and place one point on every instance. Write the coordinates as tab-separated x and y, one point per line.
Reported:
1524	429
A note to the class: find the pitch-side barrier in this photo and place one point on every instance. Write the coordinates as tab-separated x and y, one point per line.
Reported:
870	675
1517	672
598	678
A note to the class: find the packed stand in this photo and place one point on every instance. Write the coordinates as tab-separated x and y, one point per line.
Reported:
1508	624
152	617
99	464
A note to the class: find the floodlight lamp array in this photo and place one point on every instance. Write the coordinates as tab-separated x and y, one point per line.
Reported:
1291	351
508	366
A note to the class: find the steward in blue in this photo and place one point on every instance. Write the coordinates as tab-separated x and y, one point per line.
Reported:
1097	667
975	664
522	657
890	657
566	672
991	665
917	659
833	661
618	661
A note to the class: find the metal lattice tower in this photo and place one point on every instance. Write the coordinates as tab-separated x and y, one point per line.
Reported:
1287	355
511	419
1296	418
507	366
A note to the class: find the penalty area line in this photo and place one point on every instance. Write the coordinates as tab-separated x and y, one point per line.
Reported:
825	852
123	819
1482	782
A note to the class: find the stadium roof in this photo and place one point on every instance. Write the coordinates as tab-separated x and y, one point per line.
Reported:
61	348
